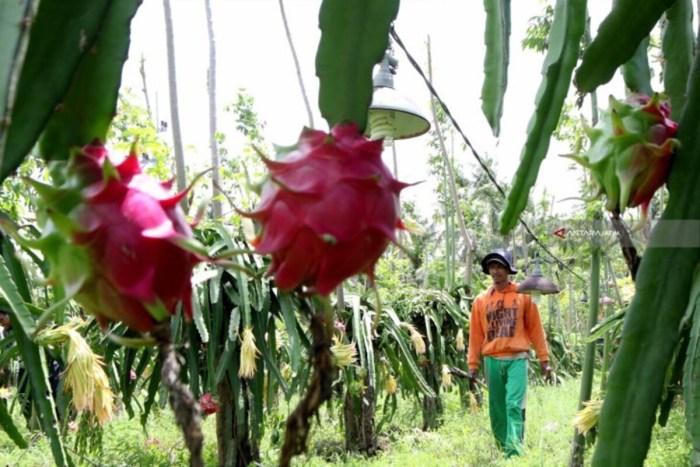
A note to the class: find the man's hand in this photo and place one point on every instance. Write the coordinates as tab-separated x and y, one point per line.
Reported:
546	371
472	374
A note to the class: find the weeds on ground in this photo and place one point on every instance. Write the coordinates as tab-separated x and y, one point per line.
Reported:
464	439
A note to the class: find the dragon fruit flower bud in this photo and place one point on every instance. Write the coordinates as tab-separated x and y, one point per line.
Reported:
328	210
630	151
343	355
117	239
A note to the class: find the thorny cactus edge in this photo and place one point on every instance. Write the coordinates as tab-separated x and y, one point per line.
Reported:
630	151
116	239
328	210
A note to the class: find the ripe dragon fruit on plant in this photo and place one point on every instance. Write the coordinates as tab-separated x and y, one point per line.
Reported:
630	151
208	404
116	239
328	210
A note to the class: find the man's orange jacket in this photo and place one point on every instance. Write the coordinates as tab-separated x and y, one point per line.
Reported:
504	323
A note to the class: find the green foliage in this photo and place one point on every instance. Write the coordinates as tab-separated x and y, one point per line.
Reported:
464	438
15	200
570	129
537	32
393	272
244	171
133	125
248	122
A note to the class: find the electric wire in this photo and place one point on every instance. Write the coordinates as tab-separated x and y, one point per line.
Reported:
478	158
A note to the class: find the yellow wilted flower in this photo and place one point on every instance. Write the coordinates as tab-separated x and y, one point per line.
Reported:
391	385
5	393
103	405
79	372
416	338
473	403
84	375
344	355
587	418
248	354
459	342
446	377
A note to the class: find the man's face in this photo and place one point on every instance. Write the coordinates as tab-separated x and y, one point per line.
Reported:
498	272
5	321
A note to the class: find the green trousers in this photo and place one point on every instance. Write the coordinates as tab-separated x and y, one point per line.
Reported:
507	383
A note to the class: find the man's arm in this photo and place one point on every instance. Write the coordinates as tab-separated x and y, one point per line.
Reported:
476	337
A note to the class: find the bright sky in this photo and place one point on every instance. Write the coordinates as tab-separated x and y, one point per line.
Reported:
252	52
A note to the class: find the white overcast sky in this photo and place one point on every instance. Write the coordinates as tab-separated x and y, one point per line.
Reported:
252	52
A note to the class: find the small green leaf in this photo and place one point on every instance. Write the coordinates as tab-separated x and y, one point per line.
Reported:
354	37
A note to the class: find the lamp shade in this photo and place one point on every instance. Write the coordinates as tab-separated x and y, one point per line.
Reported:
536	283
392	115
605	300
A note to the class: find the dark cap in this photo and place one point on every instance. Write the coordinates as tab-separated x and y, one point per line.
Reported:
499	255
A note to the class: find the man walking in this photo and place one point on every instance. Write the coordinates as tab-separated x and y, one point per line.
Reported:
504	324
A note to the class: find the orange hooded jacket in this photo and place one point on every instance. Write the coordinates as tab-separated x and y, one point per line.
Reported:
504	323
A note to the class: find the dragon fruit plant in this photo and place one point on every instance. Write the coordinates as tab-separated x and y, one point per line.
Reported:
630	151
116	239
328	210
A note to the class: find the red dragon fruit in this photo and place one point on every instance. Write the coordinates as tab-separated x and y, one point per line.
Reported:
116	239
208	404
328	210
630	151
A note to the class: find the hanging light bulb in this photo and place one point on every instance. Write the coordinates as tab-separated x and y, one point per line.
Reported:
584	297
392	115
536	283
605	300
